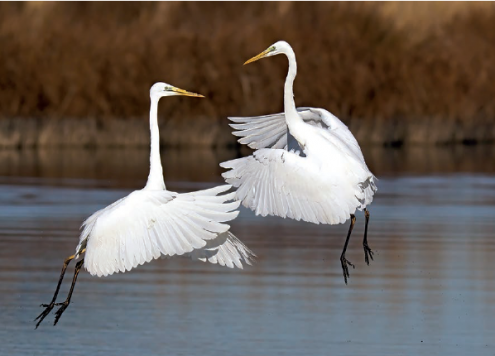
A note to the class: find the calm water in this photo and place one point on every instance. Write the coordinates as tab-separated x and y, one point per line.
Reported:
429	291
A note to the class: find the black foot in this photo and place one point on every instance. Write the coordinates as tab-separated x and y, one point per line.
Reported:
43	315
60	311
368	253
345	268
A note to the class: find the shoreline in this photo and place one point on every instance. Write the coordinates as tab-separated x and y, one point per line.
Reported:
129	166
31	133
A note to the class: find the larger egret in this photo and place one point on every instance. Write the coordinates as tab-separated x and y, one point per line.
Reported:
325	183
153	221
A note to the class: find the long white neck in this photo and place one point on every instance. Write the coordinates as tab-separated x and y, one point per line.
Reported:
291	116
155	178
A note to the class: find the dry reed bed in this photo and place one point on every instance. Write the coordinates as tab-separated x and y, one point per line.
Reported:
94	63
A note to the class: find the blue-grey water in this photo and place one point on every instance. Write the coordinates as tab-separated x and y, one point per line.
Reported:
429	291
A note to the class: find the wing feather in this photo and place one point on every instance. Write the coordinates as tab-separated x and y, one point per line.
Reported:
277	182
226	250
270	131
148	224
261	131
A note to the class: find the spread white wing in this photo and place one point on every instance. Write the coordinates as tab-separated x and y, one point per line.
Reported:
281	183
147	224
270	131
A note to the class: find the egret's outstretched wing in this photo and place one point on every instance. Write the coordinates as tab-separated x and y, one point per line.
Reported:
226	250
281	183
148	223
267	131
270	131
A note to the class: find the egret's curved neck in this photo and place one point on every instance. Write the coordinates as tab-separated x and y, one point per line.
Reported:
155	178
291	115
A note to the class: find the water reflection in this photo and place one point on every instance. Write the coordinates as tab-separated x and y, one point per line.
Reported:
429	291
126	167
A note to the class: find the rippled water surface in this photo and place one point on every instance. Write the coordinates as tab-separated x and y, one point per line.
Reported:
429	291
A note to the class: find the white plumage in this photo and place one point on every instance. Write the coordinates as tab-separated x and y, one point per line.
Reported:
148	224
154	222
281	183
307	164
333	175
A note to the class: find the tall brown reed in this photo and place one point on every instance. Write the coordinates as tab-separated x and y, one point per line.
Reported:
98	60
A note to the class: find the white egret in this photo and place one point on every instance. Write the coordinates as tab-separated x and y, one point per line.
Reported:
154	222
325	183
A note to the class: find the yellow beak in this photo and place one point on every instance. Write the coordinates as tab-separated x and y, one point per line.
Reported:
186	93
259	56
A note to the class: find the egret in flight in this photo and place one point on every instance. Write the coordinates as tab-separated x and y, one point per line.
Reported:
154	222
315	172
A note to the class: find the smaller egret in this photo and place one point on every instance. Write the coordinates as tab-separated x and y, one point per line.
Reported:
154	222
315	172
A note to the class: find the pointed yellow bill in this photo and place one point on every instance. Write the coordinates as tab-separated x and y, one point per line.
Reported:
186	93
259	56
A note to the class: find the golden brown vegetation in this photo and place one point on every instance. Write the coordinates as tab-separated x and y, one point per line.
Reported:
98	60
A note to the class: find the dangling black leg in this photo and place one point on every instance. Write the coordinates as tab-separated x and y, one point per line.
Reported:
50	306
65	304
367	250
343	260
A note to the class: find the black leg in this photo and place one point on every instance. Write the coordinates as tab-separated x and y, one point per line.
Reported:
65	304
368	253
49	307
343	260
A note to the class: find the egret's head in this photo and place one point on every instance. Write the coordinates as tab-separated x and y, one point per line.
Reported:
274	49
163	89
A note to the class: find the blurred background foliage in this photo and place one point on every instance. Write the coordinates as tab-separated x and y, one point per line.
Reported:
394	72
